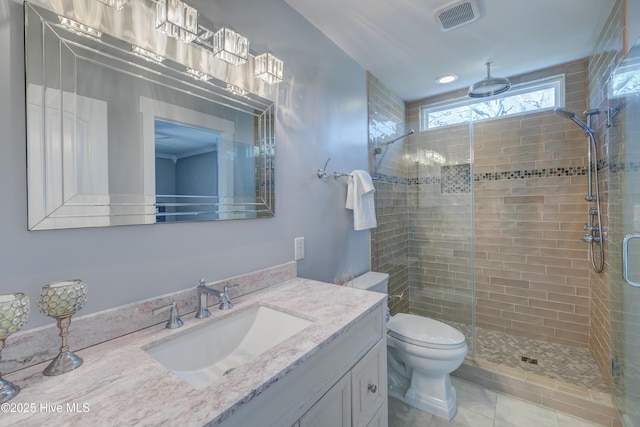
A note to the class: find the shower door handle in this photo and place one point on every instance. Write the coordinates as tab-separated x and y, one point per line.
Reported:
625	258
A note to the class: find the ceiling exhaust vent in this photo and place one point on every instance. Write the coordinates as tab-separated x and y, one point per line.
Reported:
457	14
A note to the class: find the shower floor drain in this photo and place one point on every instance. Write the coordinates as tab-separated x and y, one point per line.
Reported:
529	360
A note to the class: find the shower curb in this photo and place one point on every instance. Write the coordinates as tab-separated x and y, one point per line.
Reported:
580	402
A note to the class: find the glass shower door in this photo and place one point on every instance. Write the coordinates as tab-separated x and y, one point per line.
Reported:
440	207
624	221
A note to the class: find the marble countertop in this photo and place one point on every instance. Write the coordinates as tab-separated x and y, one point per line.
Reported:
120	384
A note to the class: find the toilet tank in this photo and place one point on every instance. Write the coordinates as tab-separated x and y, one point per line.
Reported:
371	281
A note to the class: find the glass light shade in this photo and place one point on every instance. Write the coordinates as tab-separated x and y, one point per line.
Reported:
116	4
269	68
177	19
63	297
14	312
230	46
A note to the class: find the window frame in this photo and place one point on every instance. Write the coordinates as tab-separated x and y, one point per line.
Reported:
556	82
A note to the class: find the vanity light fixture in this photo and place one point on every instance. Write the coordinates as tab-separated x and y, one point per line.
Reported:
269	68
177	19
146	54
236	90
116	4
230	46
197	74
79	28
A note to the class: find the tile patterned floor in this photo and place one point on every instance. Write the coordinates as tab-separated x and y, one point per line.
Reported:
572	365
569	364
479	407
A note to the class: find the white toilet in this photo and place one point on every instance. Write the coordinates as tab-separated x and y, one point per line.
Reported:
421	353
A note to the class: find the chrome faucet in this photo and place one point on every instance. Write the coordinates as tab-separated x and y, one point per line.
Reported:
174	315
204	291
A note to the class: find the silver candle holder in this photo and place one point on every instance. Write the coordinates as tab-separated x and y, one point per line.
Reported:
14	312
61	300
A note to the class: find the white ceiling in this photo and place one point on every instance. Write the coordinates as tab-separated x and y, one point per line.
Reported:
400	42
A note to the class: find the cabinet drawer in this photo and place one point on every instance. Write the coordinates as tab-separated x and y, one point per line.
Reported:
369	384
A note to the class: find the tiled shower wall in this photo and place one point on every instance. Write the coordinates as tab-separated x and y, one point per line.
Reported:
531	268
389	241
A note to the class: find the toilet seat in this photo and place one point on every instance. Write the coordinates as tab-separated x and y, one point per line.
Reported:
425	332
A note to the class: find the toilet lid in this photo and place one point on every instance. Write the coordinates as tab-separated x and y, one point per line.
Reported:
424	332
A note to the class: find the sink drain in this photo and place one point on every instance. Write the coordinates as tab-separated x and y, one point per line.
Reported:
228	371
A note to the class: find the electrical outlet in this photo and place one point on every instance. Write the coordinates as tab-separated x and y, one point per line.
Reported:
298	244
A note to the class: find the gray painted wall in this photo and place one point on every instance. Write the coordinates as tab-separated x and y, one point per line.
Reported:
321	112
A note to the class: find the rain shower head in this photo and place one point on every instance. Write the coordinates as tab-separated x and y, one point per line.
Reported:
489	86
569	114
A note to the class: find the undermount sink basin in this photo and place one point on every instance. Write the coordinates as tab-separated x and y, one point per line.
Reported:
204	354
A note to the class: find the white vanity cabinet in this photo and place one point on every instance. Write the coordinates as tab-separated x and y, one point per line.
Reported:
333	409
343	384
369	388
358	399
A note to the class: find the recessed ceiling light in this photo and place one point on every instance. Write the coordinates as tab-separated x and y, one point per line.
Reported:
447	79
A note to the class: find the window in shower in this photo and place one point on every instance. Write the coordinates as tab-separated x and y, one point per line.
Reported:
539	95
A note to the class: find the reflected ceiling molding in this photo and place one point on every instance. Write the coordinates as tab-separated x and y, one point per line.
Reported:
116	4
198	75
79	28
269	68
177	19
147	54
236	90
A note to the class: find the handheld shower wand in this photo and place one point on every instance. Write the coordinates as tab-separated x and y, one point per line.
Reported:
594	225
568	114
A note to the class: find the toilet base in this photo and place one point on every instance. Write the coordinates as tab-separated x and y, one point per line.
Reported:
432	394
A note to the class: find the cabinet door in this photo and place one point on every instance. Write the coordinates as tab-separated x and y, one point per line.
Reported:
369	385
381	418
333	409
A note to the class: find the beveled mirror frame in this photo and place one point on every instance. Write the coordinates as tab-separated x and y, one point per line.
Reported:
55	193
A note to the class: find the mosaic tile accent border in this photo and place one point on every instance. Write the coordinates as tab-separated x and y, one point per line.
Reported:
449	175
424	180
389	178
534	173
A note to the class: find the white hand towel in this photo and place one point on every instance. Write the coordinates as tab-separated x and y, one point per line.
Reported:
360	191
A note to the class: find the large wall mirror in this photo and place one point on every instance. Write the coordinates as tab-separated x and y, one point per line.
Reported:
116	138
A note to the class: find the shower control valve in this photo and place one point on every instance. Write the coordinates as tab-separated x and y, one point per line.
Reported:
590	239
590	228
